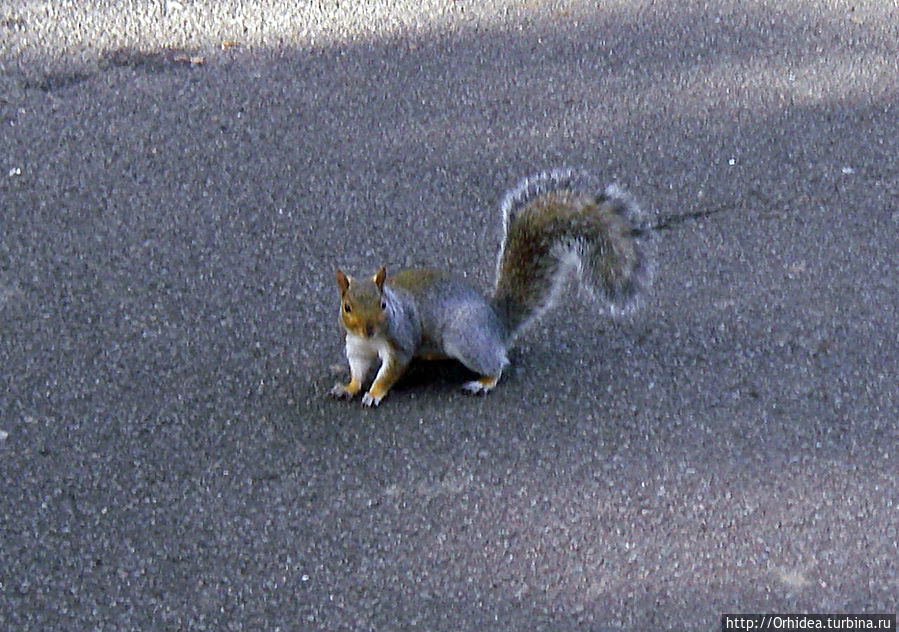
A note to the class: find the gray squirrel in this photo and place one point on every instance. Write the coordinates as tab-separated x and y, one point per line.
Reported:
554	223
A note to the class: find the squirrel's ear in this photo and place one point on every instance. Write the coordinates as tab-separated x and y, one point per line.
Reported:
380	275
343	281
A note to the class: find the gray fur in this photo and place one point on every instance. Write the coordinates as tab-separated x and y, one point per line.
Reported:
460	323
583	249
404	325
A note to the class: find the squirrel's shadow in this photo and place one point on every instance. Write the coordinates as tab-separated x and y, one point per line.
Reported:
441	374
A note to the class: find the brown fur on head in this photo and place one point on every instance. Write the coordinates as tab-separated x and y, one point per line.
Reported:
343	281
379	278
361	303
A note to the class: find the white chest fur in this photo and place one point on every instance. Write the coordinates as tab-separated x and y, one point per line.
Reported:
366	349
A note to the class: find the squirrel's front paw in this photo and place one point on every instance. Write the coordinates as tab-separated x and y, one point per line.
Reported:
369	400
340	391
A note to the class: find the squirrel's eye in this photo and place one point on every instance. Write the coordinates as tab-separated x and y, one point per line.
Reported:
347	308
383	305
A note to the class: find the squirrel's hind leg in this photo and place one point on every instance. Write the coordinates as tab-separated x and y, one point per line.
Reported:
486	361
477	341
482	385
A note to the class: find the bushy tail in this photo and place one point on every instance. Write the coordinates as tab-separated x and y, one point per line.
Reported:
558	222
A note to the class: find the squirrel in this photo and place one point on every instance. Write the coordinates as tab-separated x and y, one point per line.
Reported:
554	223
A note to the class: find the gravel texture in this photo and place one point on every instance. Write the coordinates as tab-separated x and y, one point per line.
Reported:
178	180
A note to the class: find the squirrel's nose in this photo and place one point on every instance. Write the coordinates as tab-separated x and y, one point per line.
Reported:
369	331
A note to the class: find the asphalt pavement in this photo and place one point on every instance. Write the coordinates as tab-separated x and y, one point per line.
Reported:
178	181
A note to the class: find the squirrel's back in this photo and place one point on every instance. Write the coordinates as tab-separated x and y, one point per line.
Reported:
563	221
